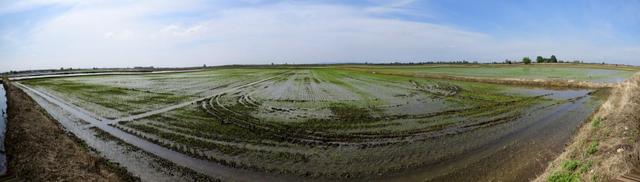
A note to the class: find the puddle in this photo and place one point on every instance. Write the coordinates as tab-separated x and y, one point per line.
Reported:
3	127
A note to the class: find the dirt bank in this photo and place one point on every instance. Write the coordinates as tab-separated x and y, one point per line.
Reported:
38	149
607	146
505	81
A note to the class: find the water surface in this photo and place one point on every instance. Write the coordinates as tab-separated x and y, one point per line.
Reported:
3	124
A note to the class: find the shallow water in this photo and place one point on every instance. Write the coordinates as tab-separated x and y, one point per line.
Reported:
514	151
518	150
3	124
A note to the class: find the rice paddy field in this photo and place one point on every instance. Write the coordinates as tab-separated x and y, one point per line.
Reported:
580	72
345	122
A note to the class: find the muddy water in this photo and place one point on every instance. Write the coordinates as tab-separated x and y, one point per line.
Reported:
524	146
3	124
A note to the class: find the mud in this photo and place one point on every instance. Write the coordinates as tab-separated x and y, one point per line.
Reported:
38	149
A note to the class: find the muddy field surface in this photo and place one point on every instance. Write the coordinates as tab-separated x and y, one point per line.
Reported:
324	123
38	149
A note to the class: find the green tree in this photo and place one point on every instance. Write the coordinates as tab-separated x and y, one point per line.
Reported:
553	59
539	59
526	60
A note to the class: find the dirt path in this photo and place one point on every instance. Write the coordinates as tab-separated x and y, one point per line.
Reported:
39	149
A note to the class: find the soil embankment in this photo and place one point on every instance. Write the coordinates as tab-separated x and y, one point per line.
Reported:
38	149
607	146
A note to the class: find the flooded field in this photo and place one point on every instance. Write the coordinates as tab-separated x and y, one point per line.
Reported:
316	124
593	73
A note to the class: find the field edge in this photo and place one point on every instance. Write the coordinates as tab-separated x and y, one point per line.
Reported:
604	147
39	149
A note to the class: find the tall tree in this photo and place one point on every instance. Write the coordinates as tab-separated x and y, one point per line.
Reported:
526	60
539	59
553	59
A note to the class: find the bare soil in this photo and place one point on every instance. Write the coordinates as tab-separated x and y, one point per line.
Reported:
38	149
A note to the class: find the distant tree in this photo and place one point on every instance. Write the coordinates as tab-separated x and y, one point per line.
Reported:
61	68
507	61
205	65
553	59
526	60
539	59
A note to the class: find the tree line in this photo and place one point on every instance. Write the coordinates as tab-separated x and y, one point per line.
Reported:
540	59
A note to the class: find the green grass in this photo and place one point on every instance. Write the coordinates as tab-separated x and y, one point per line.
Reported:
559	71
593	147
596	122
570	172
122	99
563	176
567	174
570	165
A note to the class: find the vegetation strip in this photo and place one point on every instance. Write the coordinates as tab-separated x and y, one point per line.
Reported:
509	81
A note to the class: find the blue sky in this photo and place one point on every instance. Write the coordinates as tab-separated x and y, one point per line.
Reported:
36	34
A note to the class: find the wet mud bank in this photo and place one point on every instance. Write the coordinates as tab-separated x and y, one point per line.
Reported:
38	149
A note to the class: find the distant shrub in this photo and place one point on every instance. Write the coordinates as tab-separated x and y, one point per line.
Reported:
526	60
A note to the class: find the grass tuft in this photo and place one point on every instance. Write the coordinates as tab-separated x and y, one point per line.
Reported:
596	122
563	176
570	165
593	148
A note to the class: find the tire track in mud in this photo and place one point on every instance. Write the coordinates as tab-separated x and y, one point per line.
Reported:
304	136
206	167
181	105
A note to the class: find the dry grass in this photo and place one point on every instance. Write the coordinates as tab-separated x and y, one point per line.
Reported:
38	149
607	146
